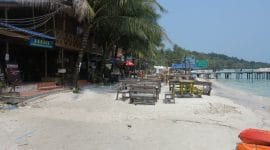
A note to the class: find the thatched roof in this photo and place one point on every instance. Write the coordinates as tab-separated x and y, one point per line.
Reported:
37	3
81	8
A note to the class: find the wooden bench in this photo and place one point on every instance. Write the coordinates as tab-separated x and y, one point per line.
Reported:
152	82
146	95
47	86
124	88
126	85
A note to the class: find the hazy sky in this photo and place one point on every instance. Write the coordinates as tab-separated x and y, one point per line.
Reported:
238	28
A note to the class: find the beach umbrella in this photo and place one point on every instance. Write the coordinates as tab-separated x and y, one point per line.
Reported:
129	63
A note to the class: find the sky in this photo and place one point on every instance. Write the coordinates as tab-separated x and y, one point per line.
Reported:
238	28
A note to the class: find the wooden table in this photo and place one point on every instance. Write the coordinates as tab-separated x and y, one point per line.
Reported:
185	87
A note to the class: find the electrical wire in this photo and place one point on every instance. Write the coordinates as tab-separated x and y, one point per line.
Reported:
22	20
31	27
35	23
27	19
28	24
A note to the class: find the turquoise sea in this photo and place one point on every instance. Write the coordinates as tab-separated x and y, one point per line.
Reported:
256	87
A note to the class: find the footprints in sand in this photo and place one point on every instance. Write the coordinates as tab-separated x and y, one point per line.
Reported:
217	108
208	122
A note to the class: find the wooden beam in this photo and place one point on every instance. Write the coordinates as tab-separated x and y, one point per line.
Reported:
13	34
45	64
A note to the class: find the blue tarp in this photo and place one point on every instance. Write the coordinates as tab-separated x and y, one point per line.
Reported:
8	2
33	33
183	66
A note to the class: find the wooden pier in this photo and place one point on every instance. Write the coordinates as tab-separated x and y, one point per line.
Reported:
250	74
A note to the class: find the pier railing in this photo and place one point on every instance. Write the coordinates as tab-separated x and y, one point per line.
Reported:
259	74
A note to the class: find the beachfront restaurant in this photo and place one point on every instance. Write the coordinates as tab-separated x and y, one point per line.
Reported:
45	50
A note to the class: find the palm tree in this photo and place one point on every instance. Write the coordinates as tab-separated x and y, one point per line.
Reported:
125	23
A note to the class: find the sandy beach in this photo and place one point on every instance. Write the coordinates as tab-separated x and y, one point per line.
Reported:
94	120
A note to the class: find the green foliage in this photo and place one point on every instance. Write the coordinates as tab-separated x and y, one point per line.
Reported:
130	24
2	84
216	61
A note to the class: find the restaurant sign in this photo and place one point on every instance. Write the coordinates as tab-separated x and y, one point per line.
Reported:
201	64
41	43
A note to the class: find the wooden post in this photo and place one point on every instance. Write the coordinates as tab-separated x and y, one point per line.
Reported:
54	28
62	58
62	50
185	64
46	66
7	44
6	14
64	23
33	14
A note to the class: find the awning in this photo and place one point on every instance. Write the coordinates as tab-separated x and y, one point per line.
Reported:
32	33
7	2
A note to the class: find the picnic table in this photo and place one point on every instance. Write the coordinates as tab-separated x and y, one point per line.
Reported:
190	87
184	87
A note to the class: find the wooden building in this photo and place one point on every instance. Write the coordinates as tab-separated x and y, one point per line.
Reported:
42	37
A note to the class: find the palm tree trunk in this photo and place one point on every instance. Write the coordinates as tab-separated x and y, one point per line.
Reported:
80	55
104	56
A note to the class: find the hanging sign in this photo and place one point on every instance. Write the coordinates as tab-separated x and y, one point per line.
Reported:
201	64
6	57
13	74
190	60
41	43
62	70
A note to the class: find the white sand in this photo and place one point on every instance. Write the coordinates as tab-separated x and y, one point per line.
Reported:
93	120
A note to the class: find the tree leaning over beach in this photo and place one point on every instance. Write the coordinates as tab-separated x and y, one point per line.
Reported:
130	24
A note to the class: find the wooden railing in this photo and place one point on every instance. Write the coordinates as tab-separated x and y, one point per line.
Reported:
73	42
68	41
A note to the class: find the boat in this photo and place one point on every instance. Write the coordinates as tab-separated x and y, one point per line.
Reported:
244	146
255	136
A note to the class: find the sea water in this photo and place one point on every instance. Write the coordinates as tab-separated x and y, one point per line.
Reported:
256	87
